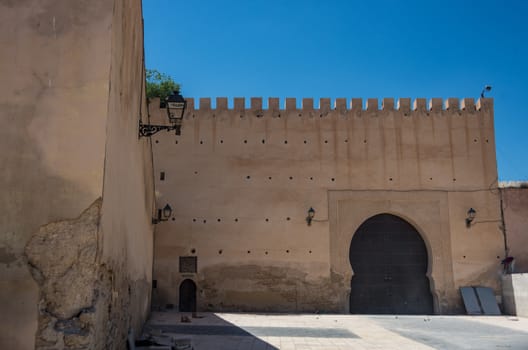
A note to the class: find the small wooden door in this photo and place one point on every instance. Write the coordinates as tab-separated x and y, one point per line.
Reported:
187	296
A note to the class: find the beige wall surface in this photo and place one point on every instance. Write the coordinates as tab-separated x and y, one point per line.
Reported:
53	102
128	199
70	98
515	294
515	207
241	182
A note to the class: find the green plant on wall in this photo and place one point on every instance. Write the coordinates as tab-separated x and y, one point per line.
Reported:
160	85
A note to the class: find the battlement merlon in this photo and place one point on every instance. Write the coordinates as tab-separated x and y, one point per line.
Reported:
340	105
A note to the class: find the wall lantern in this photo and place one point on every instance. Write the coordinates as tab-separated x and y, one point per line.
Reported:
163	214
471	213
487	88
311	214
175	104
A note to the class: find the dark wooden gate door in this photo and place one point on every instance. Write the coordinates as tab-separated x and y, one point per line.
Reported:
187	296
389	259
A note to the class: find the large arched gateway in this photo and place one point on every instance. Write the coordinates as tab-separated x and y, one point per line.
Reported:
389	260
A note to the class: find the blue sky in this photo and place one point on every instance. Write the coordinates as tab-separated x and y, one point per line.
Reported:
331	48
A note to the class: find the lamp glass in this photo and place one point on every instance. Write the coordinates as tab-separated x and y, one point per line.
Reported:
175	106
471	213
167	211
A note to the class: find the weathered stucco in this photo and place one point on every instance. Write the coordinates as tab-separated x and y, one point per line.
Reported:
241	182
267	288
53	96
71	96
63	260
515	207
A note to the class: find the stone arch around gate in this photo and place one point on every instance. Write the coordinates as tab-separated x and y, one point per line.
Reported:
427	211
391	263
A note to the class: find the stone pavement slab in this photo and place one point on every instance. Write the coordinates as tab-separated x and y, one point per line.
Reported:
297	332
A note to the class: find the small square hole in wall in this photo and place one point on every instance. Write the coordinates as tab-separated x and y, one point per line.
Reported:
162	176
188	264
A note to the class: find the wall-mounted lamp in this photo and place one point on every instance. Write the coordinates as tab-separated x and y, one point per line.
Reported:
471	213
487	88
175	104
163	214
311	214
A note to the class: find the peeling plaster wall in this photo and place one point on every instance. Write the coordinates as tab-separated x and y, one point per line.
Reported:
242	179
515	206
63	260
71	94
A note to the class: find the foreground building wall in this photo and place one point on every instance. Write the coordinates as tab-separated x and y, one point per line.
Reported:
75	268
515	207
126	239
241	181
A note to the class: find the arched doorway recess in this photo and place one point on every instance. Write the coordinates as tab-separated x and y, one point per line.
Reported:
187	296
389	259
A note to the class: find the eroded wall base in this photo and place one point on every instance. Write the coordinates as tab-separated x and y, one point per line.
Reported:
267	289
83	304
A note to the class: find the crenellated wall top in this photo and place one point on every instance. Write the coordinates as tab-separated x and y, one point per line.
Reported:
341	104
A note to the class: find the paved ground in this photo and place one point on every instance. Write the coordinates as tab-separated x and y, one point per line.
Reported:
299	332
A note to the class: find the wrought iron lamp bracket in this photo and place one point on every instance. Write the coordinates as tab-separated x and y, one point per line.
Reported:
147	130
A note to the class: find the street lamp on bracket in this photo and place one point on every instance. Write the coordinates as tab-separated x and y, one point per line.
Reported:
163	215
175	105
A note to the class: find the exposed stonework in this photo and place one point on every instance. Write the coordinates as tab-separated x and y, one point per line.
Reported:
63	256
83	304
104	324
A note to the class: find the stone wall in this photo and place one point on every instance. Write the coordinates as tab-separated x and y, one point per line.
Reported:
71	98
242	178
515	207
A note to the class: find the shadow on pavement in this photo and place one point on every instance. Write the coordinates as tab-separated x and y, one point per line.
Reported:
206	330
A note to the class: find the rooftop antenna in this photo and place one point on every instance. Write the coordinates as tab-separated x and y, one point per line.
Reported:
486	89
